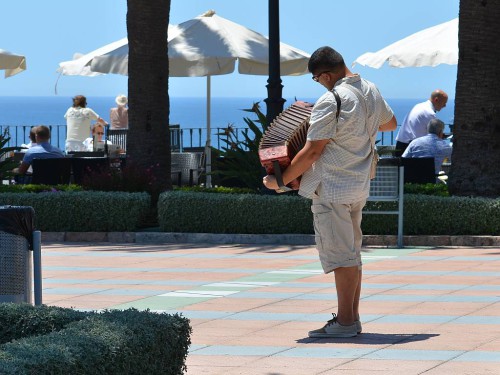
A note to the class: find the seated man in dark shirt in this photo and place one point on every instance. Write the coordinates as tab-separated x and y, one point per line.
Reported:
42	150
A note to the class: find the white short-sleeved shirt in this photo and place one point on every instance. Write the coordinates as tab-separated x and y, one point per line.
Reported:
88	144
415	123
78	123
342	173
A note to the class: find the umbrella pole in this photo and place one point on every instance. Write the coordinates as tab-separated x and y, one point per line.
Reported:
208	152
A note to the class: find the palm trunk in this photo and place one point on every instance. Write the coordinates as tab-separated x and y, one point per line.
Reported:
148	140
475	167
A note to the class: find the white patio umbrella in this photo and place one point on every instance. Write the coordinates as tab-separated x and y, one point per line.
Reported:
11	63
204	46
429	47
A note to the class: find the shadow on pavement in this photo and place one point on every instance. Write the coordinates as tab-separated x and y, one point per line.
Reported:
373	338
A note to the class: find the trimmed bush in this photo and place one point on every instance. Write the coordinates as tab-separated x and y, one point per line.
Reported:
18	320
259	214
38	188
83	211
112	342
451	215
233	213
427	189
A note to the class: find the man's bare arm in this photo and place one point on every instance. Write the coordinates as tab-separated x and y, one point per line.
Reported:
301	162
23	168
389	126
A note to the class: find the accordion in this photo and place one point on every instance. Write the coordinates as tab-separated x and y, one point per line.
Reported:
283	139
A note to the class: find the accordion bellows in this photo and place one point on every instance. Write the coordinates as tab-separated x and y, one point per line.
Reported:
284	138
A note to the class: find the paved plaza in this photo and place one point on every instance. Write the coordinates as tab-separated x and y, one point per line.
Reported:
432	311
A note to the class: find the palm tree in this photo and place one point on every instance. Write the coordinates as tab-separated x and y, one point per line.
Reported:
475	167
148	140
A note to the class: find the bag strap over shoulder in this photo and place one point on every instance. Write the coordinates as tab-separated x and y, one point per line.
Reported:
277	171
362	100
339	103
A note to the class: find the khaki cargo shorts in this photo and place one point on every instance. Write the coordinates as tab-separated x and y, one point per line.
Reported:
338	233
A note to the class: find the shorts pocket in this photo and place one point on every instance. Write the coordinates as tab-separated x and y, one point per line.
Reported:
322	219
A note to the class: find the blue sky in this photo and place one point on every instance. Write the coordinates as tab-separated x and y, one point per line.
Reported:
48	32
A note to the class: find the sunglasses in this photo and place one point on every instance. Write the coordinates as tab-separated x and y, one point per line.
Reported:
315	78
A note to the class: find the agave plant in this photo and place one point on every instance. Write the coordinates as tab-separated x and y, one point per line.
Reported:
240	158
6	155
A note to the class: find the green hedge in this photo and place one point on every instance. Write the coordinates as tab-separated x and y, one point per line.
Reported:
452	215
232	213
83	211
111	342
18	320
260	214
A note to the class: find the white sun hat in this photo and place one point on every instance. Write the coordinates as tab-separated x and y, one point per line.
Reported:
121	100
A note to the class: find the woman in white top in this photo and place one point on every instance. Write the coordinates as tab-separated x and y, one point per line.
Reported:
78	118
95	142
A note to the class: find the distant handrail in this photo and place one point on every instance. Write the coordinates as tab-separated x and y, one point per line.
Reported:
180	136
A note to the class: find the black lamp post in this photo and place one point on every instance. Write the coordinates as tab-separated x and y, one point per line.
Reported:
274	100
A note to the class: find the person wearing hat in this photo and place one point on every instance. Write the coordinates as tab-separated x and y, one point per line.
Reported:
119	115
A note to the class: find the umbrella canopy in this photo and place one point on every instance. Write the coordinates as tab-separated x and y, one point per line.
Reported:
204	46
429	47
80	65
11	63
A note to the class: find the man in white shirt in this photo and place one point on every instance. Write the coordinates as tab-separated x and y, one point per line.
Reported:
415	123
335	167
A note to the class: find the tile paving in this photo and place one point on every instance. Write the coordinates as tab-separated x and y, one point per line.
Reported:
424	310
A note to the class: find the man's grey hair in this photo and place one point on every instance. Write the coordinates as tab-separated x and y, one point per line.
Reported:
435	126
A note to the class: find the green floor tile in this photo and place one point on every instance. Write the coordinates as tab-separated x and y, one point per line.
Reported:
277	277
161	303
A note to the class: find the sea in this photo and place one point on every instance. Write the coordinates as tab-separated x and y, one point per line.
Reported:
19	113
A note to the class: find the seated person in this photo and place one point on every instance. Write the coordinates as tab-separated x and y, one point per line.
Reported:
431	145
42	150
97	134
32	140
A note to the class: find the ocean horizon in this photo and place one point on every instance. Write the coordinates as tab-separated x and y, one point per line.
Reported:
188	112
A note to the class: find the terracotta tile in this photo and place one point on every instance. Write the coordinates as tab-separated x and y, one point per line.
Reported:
104	266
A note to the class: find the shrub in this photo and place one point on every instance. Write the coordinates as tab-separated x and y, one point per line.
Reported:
180	211
451	215
84	211
259	214
30	188
239	162
112	342
19	320
440	190
6	161
129	178
218	190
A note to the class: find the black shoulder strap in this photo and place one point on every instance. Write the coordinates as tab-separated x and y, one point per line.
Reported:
337	99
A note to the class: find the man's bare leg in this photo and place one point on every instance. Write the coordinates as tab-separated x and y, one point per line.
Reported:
357	295
347	280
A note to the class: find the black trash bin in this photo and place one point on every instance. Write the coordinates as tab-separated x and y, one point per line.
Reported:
20	255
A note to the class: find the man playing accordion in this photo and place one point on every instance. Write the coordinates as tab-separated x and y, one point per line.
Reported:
334	166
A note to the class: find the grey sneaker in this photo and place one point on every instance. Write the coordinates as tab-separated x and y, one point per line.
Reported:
333	329
359	329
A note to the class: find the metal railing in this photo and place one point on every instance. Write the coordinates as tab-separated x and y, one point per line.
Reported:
180	137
